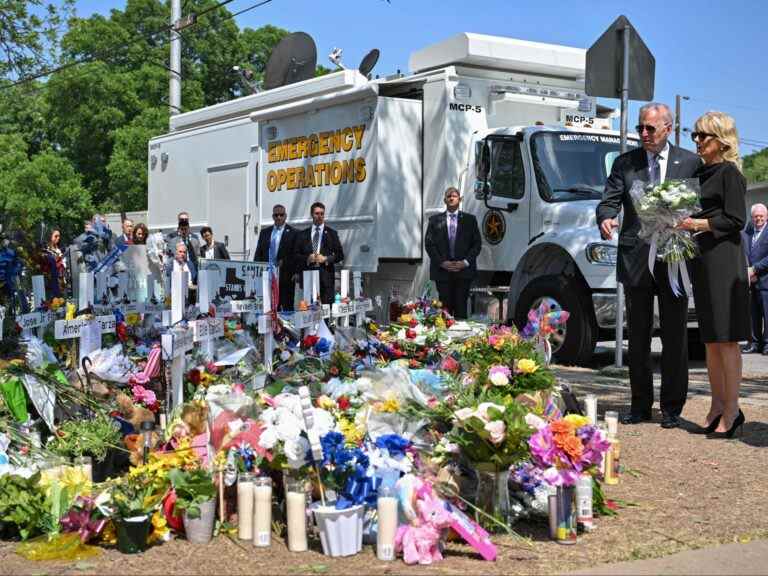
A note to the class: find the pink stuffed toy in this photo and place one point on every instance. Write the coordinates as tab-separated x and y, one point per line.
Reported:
420	540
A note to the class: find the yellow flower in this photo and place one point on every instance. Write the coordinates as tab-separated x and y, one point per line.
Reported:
70	313
160	530
440	323
390	404
527	366
132	319
326	402
404	318
577	420
108	534
353	433
57	303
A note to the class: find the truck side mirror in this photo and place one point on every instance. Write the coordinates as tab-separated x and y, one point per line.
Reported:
482	170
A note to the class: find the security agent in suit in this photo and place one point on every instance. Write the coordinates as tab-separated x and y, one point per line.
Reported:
276	246
318	248
453	243
211	249
755	243
654	162
184	234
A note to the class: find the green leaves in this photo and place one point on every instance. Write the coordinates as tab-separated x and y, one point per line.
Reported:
192	488
22	506
85	438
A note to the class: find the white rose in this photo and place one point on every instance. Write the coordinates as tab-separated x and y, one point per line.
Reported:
296	452
289	428
499	379
482	410
268	438
463	414
496	429
324	422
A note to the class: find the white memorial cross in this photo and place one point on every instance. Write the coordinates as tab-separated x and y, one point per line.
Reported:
38	319
178	304
343	310
265	320
362	305
2	320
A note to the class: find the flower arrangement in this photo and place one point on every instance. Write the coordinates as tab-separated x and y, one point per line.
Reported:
193	488
93	437
345	471
660	208
502	360
565	448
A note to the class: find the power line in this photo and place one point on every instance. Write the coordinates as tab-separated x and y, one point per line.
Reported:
92	57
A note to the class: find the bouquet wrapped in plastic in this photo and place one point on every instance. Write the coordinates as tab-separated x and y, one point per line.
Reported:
660	209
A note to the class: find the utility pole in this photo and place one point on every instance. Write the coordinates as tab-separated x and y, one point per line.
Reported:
174	88
678	118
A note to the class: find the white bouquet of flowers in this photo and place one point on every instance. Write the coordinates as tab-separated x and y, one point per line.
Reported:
660	209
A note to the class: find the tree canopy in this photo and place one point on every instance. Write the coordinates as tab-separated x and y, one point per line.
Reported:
756	166
75	140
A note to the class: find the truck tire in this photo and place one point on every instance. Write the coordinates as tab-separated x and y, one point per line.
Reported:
575	344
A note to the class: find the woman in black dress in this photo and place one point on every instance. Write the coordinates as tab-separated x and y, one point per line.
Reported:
720	282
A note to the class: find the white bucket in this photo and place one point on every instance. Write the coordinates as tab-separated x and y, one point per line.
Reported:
200	530
341	531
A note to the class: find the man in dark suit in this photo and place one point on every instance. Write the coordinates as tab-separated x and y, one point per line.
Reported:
318	248
183	234
275	246
126	238
211	249
453	243
755	242
654	162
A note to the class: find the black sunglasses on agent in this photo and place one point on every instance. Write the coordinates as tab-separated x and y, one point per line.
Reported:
701	136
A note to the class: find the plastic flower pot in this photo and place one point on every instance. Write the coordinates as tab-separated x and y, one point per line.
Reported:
341	531
200	530
132	534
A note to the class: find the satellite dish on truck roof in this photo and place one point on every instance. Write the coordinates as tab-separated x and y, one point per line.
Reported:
293	60
368	62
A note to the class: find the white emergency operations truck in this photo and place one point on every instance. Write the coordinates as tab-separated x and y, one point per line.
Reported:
505	120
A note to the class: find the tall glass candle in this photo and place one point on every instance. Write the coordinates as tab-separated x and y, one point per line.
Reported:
262	511
296	514
386	506
245	506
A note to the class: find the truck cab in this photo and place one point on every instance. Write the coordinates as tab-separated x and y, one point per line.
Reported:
539	187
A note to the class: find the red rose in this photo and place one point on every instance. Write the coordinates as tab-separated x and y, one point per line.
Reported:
449	364
122	332
343	403
450	322
410	333
309	341
333	371
194	376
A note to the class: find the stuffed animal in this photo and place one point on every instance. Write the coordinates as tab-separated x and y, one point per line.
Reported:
419	541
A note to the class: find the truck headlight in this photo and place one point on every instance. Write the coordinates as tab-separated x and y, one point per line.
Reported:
602	254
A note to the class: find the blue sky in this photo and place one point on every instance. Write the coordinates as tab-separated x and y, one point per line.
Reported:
711	50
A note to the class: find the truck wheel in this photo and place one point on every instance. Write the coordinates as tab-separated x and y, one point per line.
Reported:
574	343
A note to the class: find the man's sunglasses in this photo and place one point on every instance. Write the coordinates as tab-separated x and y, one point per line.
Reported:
701	136
278	214
647	127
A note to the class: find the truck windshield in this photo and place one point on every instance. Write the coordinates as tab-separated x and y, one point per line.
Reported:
573	166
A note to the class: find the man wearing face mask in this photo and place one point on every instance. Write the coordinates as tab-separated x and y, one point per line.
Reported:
653	162
183	234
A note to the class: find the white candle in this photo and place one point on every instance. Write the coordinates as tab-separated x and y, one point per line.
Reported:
612	421
245	506
590	405
385	537
262	511
296	512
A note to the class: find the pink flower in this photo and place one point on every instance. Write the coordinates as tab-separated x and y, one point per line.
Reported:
499	375
496	429
463	414
143	396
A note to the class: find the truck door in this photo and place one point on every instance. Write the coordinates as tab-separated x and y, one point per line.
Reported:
505	225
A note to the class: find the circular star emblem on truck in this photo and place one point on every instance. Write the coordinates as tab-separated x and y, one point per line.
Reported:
494	227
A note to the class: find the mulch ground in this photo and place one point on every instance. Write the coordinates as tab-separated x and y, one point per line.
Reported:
681	491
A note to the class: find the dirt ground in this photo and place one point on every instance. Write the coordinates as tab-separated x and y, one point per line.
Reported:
683	491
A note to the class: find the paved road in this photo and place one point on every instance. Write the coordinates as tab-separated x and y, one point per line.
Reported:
604	377
746	559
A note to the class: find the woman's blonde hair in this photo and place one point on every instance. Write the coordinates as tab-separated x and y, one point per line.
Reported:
723	127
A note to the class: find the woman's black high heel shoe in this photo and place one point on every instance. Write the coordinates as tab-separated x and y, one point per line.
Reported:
711	428
738	423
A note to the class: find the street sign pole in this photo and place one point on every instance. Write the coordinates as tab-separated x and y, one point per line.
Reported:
618	359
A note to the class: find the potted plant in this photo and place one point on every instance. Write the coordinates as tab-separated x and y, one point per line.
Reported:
133	498
196	498
97	438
